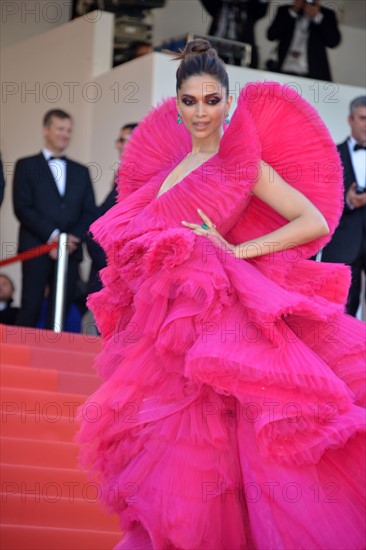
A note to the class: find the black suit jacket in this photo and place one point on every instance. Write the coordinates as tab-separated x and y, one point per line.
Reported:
9	315
40	208
254	9
96	252
350	235
322	35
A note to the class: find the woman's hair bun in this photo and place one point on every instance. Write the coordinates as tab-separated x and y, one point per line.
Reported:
198	46
200	58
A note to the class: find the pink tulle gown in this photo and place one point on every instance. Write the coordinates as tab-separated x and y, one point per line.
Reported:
232	413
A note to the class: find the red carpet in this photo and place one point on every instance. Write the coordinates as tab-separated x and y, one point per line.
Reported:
46	502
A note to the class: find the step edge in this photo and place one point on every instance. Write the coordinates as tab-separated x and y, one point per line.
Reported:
44	392
49	528
31	440
56	469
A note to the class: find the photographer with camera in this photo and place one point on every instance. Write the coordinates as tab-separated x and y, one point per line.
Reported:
348	244
304	30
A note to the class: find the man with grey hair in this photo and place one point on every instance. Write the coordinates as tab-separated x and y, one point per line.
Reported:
348	244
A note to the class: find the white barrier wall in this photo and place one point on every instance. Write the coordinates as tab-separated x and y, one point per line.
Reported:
69	68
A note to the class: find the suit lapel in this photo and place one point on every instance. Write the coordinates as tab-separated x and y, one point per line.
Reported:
349	173
68	182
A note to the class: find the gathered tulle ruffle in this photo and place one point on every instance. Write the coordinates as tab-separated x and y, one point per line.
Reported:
238	343
232	412
210	325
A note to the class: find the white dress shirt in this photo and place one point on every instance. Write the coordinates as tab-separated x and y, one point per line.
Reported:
58	169
358	159
296	60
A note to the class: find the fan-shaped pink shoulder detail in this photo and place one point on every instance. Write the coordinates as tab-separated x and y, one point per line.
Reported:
297	144
156	143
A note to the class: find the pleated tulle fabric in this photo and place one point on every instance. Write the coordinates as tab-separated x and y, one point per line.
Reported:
232	412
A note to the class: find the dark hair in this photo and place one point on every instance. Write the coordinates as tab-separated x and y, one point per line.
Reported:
58	113
198	58
130	126
357	102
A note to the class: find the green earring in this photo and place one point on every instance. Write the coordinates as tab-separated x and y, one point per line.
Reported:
179	119
227	119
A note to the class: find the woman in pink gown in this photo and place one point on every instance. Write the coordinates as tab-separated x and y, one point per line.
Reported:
232	413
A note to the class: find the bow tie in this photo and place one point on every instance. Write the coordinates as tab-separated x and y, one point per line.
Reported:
58	158
359	147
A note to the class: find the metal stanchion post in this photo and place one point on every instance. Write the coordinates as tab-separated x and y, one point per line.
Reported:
61	272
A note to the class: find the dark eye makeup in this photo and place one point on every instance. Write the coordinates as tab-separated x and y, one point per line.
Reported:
209	100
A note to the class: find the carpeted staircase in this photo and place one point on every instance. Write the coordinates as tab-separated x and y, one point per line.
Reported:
46	501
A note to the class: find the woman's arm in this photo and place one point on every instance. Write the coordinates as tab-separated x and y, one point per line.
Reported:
306	223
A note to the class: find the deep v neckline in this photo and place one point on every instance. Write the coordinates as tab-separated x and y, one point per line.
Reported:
158	196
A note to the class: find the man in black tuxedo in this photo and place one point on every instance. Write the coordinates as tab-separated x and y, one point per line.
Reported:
348	244
235	20
304	30
52	194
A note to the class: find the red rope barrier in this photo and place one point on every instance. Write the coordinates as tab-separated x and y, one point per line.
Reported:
29	254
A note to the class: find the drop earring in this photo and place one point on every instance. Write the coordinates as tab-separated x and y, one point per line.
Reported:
179	119
227	119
